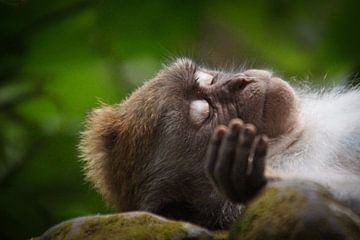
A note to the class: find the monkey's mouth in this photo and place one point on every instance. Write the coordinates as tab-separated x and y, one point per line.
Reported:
273	99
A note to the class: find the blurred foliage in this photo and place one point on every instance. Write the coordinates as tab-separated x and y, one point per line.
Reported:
59	59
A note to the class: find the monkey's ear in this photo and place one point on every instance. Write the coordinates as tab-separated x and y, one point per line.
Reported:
96	142
100	133
114	141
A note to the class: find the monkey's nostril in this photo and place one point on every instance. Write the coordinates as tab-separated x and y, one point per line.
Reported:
239	84
243	84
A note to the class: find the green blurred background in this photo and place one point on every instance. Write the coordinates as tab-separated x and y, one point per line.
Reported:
59	59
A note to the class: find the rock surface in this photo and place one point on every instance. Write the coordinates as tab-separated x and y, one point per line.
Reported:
125	226
282	210
296	210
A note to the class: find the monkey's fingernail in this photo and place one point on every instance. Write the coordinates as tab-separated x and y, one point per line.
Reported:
262	142
245	138
249	131
264	139
260	151
235	124
220	131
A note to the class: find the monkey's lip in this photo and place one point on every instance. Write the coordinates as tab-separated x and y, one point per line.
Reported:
269	90
276	86
272	84
278	101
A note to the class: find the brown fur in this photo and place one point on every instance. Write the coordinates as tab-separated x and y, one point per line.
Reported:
117	140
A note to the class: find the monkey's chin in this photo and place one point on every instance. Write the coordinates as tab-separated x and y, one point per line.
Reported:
280	113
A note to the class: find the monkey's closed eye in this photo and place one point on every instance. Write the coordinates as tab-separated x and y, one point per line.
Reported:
199	111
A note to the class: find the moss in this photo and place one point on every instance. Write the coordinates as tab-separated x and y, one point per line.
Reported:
139	227
133	225
272	214
61	232
220	235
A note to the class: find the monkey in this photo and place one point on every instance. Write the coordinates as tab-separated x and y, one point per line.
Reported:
197	144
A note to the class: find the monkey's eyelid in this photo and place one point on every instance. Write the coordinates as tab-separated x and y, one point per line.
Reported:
199	111
203	79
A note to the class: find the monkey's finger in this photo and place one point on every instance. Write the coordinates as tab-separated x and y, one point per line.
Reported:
213	150
257	177
226	157
240	167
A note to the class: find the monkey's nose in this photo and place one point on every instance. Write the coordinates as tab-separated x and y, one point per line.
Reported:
239	82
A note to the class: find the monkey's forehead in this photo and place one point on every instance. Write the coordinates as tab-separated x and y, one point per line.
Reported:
186	71
189	65
185	68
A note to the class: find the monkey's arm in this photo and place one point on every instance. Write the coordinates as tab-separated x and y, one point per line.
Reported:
228	160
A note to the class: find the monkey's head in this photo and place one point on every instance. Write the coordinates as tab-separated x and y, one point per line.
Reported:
147	153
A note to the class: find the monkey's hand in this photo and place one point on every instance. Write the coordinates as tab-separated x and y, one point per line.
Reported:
236	160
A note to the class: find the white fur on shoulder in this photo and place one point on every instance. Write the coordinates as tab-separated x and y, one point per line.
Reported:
327	149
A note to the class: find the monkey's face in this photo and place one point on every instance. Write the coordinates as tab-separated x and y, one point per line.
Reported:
255	96
212	98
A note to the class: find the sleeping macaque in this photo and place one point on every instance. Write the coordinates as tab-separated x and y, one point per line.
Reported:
196	144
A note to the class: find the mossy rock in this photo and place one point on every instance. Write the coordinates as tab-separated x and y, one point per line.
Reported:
296	210
282	210
125	226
